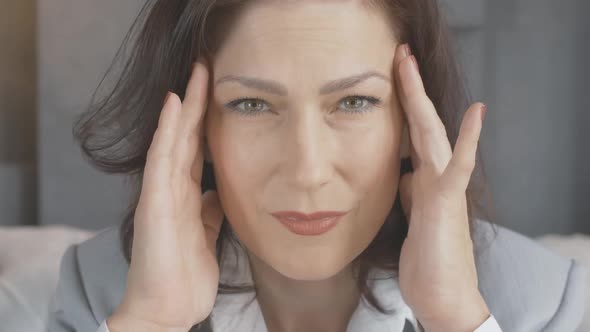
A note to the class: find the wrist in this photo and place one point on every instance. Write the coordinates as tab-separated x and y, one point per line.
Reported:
121	322
466	318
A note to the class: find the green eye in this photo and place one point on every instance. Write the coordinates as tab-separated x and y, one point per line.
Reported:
257	106
359	104
248	106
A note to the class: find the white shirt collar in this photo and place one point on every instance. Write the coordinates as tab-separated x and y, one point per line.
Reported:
241	311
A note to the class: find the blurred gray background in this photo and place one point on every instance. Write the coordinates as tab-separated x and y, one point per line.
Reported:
526	59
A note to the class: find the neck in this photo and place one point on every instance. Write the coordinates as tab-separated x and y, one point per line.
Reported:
296	305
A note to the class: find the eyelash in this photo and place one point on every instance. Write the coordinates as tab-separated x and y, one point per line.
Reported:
373	102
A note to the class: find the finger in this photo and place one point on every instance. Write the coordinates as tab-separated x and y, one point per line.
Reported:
427	131
195	100
458	172
164	137
163	140
190	135
402	51
212	216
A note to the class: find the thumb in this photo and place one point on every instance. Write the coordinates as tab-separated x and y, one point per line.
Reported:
405	191
212	217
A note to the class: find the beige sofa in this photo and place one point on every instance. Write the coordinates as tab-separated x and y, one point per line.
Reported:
29	267
29	264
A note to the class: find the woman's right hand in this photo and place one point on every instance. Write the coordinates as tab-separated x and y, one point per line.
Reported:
174	273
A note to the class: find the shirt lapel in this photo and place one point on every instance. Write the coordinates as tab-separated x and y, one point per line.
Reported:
408	327
385	287
241	311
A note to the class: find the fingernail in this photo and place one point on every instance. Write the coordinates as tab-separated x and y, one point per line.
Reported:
202	61
406	50
415	63
484	108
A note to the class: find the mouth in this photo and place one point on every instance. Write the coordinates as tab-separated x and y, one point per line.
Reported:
309	224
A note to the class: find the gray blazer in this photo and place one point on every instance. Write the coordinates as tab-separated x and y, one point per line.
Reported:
527	287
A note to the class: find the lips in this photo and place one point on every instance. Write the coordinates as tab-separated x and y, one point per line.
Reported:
309	224
299	216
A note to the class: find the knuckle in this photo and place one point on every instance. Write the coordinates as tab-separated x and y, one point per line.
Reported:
439	127
442	128
429	129
192	137
432	166
155	155
413	99
466	165
433	131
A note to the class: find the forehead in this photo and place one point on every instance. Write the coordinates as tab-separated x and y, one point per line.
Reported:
319	37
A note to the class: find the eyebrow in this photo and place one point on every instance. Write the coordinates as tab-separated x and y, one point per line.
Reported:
277	88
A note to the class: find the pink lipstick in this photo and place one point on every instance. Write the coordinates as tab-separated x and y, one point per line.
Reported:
309	224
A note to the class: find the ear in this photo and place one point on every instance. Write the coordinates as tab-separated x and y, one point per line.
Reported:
405	143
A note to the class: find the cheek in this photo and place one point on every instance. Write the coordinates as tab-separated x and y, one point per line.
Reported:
243	156
373	166
240	160
370	156
233	152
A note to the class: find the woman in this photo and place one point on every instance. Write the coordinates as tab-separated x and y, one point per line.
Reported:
294	123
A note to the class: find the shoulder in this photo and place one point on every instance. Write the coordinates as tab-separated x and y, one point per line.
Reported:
91	283
526	286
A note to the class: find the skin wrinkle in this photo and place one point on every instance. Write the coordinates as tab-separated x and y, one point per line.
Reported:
305	154
279	89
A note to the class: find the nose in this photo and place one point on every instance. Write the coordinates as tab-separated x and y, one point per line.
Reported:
308	151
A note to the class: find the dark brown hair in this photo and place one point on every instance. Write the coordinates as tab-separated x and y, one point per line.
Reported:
156	56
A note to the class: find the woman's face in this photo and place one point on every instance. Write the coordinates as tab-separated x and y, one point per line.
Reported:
301	141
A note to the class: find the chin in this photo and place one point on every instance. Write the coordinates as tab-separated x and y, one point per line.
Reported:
310	267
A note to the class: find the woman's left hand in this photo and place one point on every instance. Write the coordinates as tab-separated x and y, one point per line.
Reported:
438	277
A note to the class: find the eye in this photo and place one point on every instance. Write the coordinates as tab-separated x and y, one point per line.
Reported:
252	106
359	104
248	106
